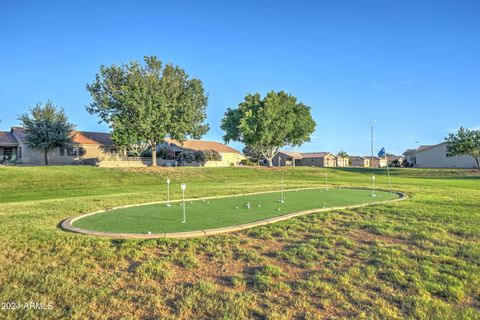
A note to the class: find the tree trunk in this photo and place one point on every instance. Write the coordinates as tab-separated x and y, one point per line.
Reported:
478	162
269	153
269	162
153	147
45	156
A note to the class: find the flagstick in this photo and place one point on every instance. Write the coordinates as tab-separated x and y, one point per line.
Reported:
388	173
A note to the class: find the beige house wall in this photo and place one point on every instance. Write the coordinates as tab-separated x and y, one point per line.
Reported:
36	157
342	162
281	159
360	162
327	161
436	157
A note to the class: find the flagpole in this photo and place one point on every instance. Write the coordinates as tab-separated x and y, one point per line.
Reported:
388	173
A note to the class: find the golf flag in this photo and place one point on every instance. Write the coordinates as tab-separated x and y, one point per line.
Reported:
381	153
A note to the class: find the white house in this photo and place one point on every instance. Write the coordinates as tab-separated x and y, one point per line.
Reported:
435	156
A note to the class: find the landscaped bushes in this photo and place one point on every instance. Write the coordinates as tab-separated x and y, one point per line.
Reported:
198	156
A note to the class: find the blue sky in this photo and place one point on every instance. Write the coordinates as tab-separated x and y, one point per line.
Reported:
413	66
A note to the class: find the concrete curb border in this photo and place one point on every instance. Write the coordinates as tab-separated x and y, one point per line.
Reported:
67	224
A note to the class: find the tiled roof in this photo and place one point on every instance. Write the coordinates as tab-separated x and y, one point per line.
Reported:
20	133
88	137
80	137
203	145
7	138
315	154
410	152
293	154
303	155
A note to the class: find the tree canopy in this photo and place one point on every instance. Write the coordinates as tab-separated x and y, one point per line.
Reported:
148	103
267	124
342	154
47	128
464	142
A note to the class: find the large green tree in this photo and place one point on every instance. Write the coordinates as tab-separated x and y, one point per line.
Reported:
342	154
149	103
269	123
464	142
47	128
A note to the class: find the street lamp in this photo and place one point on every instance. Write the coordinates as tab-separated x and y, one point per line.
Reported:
168	193
183	186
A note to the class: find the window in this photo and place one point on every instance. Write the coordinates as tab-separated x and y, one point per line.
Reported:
81	151
62	151
71	151
19	152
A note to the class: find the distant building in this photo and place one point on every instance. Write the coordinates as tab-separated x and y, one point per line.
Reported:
229	155
15	148
359	161
435	156
343	161
314	159
377	162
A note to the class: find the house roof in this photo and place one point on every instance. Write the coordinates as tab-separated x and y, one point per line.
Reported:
20	134
305	155
358	157
410	152
293	154
89	137
316	154
7	139
80	137
427	147
203	145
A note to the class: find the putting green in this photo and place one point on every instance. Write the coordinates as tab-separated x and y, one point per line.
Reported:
223	212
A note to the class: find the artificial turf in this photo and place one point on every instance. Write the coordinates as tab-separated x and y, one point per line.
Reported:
223	212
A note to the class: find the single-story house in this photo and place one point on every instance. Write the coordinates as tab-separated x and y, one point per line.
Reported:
8	147
294	158
435	156
398	159
287	158
343	161
229	155
319	159
377	162
14	148
359	161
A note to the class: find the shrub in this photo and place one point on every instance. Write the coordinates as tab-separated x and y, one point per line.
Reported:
247	162
212	155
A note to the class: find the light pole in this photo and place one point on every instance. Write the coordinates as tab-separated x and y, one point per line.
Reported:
183	186
168	193
373	186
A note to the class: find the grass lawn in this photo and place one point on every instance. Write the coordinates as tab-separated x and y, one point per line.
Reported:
223	212
417	259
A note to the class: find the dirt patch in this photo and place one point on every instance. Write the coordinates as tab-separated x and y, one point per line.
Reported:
365	237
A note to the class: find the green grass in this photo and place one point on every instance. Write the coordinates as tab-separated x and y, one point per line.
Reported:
223	212
414	259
